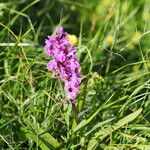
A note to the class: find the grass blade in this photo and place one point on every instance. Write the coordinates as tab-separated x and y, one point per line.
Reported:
105	132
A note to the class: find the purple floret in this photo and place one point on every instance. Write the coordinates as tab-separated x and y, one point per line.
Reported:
64	63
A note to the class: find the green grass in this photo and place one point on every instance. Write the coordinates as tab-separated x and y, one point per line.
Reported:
114	52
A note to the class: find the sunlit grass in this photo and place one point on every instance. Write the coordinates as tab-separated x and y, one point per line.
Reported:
114	52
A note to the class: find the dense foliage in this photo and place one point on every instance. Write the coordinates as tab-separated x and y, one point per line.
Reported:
113	49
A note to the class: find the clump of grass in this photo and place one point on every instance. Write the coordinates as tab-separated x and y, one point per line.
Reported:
113	49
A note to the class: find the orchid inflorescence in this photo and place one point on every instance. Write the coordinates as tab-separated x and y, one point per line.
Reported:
64	63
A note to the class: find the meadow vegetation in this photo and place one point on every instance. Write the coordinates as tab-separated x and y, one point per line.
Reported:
113	48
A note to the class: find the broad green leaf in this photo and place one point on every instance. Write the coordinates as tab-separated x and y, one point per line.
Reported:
81	125
105	132
39	142
84	123
138	127
135	137
43	139
92	144
127	119
98	125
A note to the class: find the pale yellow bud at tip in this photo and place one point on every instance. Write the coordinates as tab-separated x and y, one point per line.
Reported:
72	39
110	39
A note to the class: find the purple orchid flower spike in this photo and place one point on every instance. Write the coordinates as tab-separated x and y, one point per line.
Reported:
64	63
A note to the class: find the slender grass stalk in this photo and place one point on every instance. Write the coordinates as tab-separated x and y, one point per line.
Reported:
19	44
75	113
